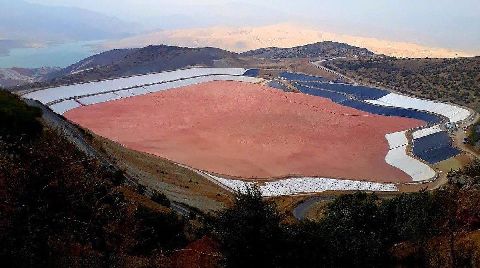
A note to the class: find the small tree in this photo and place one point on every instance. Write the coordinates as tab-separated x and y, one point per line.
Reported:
250	232
161	199
354	229
157	231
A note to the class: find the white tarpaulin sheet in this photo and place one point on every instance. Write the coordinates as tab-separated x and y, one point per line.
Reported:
98	98
452	112
64	106
199	80
124	94
138	91
426	132
305	185
419	171
64	92
397	139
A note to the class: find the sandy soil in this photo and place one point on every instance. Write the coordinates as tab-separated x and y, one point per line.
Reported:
250	131
241	39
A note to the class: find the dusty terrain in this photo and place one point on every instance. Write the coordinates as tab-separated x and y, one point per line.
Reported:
250	131
240	39
179	184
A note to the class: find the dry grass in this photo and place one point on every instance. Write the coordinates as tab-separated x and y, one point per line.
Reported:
177	183
438	252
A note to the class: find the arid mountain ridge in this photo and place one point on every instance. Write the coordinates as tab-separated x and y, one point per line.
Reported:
125	62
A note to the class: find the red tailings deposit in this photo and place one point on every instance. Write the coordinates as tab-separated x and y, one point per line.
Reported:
250	131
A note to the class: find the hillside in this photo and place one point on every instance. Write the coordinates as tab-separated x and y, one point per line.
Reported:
61	208
121	62
452	80
126	62
11	77
322	50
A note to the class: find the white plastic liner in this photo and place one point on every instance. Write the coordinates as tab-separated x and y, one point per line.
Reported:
64	106
417	170
426	132
98	98
247	79
305	185
138	91
397	139
64	92
124	94
199	80
452	112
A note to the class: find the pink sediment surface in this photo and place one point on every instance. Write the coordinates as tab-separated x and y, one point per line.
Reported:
250	131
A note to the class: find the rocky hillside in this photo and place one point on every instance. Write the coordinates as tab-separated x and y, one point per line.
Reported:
323	50
125	62
453	80
11	77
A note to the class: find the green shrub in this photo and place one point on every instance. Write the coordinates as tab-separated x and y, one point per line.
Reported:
157	231
17	118
250	232
161	199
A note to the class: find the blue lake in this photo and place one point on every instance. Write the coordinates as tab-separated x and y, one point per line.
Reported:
55	55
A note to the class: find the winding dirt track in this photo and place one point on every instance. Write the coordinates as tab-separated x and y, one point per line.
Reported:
250	131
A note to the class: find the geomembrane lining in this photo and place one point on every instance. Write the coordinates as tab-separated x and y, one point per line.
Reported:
359	92
301	77
252	72
434	148
342	99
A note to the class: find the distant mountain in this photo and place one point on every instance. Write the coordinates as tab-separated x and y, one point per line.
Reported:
121	62
24	23
323	50
103	59
12	77
125	62
6	45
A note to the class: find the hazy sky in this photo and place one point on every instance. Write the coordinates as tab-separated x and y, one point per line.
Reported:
444	23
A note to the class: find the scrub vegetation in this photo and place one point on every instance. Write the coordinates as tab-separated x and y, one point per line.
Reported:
454	80
430	229
474	134
61	208
16	118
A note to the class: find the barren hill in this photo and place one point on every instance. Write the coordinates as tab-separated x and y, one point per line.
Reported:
324	50
124	62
